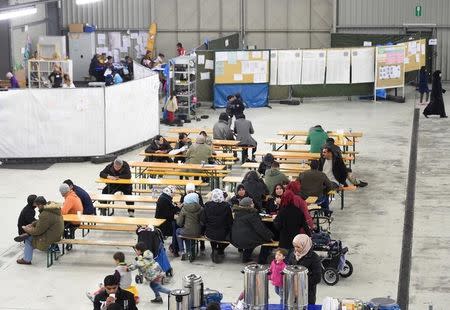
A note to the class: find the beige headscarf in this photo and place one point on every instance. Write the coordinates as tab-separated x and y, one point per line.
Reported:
304	244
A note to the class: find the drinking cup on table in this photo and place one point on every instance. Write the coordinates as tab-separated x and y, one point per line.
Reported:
78	213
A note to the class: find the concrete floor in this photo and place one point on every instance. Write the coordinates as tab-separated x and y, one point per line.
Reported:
370	225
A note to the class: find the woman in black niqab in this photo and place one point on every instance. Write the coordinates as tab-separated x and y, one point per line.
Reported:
436	105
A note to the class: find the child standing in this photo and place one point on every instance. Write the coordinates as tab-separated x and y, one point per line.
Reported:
123	275
151	271
276	268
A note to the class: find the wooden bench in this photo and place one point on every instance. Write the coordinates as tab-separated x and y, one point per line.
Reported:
192	248
340	191
188	131
52	255
106	207
184	173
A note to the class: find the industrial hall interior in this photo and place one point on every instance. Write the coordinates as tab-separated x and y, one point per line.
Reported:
224	154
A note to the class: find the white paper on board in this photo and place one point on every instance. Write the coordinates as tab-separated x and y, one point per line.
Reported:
259	78
266	55
363	68
201	59
432	42
204	76
114	40
209	64
238	77
221	56
256	54
367	43
101	38
417	58
227	43
126	41
406	60
242	55
423	49
116	56
232	58
134	35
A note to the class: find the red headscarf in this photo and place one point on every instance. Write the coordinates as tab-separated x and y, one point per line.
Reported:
289	197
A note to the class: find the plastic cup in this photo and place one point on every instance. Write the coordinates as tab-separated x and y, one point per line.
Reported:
78	213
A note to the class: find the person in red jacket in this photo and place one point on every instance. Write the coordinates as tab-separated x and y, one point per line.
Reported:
295	187
180	49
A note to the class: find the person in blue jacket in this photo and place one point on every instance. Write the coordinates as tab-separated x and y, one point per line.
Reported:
86	201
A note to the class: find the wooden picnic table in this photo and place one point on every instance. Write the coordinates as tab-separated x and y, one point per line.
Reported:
114	220
301	155
302	142
123	198
150	181
283	167
214	141
220	157
188	131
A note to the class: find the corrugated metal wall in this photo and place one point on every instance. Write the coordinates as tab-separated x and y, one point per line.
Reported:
389	17
268	23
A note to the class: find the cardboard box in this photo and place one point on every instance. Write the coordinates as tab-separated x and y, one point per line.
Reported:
76	27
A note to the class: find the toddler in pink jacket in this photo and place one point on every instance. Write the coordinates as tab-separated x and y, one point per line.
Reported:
276	270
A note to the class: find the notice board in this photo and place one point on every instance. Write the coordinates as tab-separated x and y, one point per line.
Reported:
390	66
241	67
415	54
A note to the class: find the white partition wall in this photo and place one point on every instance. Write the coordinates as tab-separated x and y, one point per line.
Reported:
132	113
80	122
51	123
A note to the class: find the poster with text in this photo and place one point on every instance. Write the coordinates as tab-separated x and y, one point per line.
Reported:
313	67
289	67
363	65
338	66
390	67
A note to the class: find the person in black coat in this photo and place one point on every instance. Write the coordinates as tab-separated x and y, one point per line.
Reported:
436	105
158	145
256	188
248	231
305	256
86	201
27	214
166	209
289	221
217	219
266	163
118	169
240	194
104	300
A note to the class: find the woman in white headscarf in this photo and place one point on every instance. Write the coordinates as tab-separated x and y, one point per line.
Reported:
217	220
305	256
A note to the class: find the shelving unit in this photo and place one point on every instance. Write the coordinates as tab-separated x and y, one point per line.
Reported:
184	85
40	69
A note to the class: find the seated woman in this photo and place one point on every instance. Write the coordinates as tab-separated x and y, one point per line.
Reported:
304	255
240	193
188	221
217	220
158	145
274	200
256	188
248	231
294	186
166	209
289	221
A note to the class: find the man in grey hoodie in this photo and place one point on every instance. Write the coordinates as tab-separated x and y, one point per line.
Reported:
274	176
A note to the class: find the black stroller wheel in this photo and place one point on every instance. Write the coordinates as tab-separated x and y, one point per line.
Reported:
330	276
347	270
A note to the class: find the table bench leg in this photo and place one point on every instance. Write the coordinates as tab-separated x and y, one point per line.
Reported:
342	200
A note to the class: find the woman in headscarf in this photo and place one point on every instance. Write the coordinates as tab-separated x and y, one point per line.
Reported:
290	221
436	105
166	209
217	219
256	188
240	193
305	256
274	201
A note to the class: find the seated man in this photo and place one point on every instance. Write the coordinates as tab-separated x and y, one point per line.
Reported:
27	214
42	233
200	152
316	138
86	201
244	129
118	169
72	205
334	148
158	145
221	129
335	169
113	294
316	183
274	176
183	144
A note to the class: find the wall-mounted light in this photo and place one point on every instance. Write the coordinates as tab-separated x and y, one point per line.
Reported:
14	13
81	2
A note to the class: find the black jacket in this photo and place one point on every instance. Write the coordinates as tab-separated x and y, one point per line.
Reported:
288	222
153	147
123	298
123	173
312	262
257	190
339	169
217	219
314	183
248	230
26	217
165	209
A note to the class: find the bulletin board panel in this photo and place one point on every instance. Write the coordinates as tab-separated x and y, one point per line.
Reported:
390	66
242	67
415	54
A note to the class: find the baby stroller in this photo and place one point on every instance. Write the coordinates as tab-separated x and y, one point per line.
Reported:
334	263
154	240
